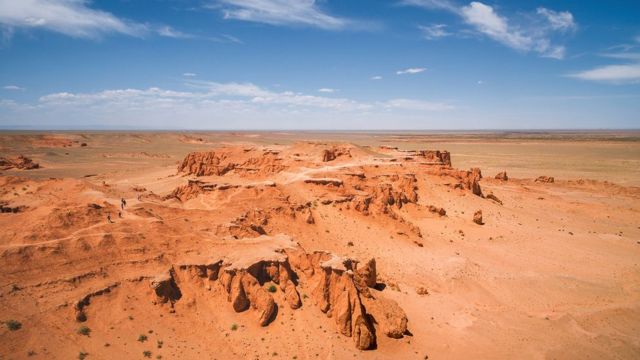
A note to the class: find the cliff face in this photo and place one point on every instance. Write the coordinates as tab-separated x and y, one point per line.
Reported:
436	157
340	288
224	160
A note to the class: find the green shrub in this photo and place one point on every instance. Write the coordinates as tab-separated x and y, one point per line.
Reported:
83	330
82	355
272	288
142	338
234	327
146	353
13	325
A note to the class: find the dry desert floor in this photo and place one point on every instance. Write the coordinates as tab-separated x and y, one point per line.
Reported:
320	245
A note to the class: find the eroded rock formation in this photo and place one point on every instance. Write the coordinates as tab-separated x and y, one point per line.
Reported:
339	287
20	162
502	176
334	153
224	160
545	179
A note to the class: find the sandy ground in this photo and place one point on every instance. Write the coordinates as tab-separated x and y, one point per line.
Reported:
553	272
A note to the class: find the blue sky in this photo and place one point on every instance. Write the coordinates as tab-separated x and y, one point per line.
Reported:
324	64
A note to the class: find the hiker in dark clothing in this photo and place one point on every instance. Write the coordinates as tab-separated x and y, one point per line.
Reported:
123	203
120	214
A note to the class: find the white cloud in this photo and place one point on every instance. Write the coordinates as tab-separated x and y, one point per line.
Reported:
13	88
189	74
488	22
377	77
417	105
555	52
559	20
434	31
410	71
526	37
280	12
614	73
431	4
168	31
69	17
327	90
75	18
624	73
216	105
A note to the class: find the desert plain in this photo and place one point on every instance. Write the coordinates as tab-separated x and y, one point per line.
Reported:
320	245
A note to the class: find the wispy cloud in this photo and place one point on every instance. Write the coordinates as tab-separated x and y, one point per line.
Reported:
189	74
410	71
616	74
559	20
168	31
376	77
69	17
76	18
485	20
280	12
13	88
434	31
327	90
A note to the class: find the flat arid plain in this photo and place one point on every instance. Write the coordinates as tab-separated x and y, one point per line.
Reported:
320	245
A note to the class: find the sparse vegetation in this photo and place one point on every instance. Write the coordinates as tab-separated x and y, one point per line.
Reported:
13	325
234	327
350	243
142	338
160	343
272	288
84	330
146	353
82	355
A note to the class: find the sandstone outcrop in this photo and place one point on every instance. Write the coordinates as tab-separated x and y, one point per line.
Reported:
437	210
20	162
491	196
324	181
6	208
435	157
224	160
338	286
334	153
502	176
545	179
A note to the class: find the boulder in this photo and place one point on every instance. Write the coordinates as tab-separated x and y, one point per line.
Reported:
477	217
390	317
